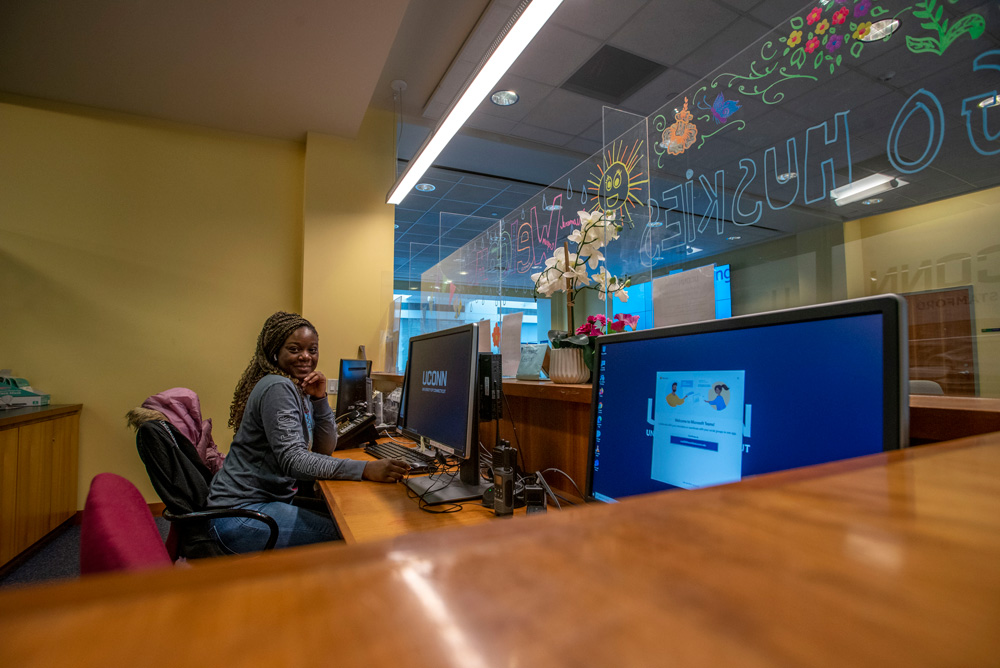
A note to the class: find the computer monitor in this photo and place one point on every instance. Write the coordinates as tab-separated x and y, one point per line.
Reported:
716	401
439	409
352	386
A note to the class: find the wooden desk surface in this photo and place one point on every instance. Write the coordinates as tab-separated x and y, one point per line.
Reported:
367	511
887	560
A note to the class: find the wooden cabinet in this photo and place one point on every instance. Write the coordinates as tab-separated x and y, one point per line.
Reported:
38	473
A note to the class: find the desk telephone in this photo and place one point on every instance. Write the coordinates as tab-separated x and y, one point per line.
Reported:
355	428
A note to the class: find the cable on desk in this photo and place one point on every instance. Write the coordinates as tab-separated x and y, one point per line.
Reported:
572	482
513	427
441	509
385	433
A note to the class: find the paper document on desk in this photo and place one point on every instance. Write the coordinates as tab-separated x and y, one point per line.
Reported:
510	343
485	336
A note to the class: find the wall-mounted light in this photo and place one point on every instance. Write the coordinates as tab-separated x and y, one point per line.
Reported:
865	188
528	19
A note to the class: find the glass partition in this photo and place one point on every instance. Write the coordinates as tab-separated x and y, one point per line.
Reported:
851	151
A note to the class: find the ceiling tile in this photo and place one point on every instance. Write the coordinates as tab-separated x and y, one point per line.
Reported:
565	112
416	201
661	92
554	54
599	18
665	32
481	121
775	12
510	200
542	135
723	47
464	192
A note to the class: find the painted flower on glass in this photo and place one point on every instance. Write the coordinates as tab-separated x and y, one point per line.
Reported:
795	37
812	45
862	30
862	8
840	15
834	43
814	15
822	27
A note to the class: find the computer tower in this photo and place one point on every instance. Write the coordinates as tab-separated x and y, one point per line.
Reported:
490	387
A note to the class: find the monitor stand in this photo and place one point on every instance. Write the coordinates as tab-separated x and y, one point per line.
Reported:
437	488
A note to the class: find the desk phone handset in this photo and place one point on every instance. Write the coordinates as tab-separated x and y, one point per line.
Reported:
355	429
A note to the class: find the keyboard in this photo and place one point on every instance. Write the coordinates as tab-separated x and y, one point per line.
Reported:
418	461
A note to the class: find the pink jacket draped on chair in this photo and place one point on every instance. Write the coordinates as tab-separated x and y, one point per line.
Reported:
183	410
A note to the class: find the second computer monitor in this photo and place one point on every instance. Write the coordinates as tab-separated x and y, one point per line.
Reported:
717	401
352	386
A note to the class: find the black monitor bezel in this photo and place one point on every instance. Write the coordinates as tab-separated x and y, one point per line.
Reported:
895	377
341	409
471	432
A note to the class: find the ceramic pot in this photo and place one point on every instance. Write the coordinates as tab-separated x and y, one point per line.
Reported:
566	366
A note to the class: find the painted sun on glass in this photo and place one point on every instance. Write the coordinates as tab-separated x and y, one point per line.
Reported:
615	187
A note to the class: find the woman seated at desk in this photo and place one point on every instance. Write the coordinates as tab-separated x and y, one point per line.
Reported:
285	431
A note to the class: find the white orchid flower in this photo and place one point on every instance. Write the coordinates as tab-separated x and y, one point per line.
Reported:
593	255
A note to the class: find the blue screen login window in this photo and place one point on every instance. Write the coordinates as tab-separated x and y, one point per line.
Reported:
712	408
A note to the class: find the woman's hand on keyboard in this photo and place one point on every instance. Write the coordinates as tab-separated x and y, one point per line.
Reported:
385	470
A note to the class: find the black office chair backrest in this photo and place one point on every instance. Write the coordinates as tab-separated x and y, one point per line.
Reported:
182	480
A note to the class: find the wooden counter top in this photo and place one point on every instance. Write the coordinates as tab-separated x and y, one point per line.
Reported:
892	559
12	416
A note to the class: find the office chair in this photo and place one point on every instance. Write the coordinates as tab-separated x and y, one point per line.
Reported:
182	479
118	531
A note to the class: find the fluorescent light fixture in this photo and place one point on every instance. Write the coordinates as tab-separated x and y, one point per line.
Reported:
517	38
865	188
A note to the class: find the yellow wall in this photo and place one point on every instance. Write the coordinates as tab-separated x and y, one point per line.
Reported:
347	267
136	256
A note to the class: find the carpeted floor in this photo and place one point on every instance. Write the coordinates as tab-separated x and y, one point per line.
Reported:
58	559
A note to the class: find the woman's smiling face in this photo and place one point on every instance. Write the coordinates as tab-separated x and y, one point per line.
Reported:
299	354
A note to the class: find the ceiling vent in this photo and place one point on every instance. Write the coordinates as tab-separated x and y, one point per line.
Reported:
612	75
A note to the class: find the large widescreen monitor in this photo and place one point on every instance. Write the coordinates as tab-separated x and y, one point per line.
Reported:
439	409
714	402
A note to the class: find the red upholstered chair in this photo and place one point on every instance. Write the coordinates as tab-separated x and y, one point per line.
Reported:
118	531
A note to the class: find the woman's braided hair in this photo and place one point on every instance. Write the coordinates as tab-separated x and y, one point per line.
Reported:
276	329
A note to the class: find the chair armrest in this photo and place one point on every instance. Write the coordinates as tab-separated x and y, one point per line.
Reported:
229	512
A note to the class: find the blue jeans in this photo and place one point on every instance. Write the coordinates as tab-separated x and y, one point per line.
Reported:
296	526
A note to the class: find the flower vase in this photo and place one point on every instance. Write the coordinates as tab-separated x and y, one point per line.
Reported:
566	365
